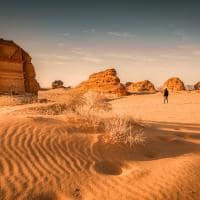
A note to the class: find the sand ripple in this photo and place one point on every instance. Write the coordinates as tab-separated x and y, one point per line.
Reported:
39	159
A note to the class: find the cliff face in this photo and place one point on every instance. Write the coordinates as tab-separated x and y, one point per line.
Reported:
17	73
104	82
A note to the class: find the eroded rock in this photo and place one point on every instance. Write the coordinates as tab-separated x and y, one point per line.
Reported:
141	86
174	84
17	74
104	82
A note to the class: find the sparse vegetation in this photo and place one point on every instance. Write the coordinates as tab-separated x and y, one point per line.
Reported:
50	109
7	100
92	106
93	111
75	101
124	130
95	103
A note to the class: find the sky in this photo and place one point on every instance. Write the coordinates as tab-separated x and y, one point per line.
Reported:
69	40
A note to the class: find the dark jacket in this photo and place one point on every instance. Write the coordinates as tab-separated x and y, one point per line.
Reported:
166	92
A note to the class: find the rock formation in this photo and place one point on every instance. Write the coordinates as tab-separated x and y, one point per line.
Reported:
57	84
17	74
174	84
104	82
141	86
197	86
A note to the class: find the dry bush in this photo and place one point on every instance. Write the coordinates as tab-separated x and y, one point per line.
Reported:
75	101
6	100
79	102
54	95
27	99
95	104
57	84
90	107
93	110
124	130
50	109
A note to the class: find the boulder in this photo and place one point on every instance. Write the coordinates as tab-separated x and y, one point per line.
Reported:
174	84
17	74
141	86
104	82
197	86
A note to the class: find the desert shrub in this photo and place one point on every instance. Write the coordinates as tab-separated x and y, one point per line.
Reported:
50	109
94	109
6	100
96	103
90	107
27	99
57	84
124	130
86	104
75	101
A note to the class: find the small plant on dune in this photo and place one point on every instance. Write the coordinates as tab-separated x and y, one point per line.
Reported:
14	100
86	104
75	101
95	107
50	109
89	106
124	130
96	103
27	99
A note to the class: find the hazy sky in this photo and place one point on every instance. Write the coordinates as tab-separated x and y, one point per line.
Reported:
69	40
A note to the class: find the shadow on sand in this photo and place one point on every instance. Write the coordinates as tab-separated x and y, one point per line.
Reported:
164	140
42	196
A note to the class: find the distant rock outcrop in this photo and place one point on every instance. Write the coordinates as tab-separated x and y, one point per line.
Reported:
141	86
197	86
57	84
174	84
17	74
104	82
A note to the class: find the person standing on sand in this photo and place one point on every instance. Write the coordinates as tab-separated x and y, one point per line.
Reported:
165	95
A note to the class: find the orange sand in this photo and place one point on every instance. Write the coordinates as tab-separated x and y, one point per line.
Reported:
49	157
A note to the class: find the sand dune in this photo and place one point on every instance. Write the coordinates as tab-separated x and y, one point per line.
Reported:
44	157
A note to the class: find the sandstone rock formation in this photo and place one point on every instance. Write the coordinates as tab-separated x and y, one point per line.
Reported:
197	86
141	86
57	84
104	82
17	74
174	84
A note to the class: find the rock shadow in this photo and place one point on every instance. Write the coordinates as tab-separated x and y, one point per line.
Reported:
110	158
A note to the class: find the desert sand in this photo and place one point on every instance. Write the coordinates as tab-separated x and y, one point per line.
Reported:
49	157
